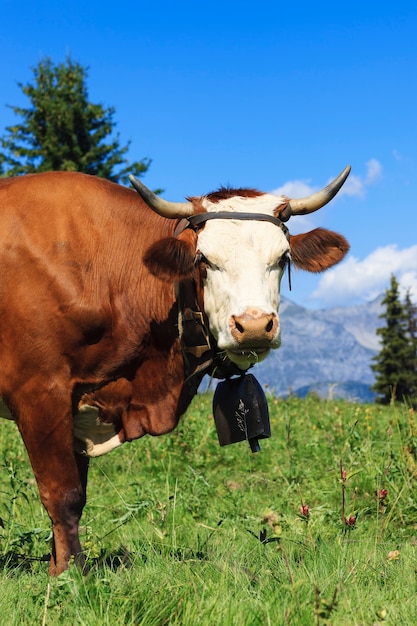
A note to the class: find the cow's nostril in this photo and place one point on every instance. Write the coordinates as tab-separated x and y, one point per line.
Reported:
270	326
239	327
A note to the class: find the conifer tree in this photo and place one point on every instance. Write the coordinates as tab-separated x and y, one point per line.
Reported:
394	366
411	313
63	130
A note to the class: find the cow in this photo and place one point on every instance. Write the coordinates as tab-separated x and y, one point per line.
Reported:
99	283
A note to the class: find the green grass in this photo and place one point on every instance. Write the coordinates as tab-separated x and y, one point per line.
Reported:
180	531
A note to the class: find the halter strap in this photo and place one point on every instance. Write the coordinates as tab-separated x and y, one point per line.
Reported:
200	218
195	221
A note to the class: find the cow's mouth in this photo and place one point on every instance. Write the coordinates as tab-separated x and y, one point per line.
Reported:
245	358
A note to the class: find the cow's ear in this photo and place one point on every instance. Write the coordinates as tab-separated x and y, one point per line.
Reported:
317	250
171	259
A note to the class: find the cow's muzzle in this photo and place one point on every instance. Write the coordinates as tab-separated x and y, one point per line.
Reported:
255	333
254	328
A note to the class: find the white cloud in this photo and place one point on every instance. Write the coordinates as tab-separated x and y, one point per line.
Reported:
356	281
295	189
357	185
354	186
374	172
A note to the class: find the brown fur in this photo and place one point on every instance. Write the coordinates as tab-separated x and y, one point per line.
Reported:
79	309
172	259
224	193
317	250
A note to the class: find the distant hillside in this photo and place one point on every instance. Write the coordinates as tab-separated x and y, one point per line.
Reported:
328	351
355	392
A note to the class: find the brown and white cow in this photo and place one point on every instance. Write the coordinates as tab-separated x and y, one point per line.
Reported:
89	319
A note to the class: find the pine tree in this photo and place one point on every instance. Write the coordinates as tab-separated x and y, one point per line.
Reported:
62	130
411	313
395	364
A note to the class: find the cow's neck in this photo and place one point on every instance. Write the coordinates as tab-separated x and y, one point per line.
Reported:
199	347
197	343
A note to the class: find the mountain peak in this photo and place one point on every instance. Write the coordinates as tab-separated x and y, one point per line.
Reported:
332	346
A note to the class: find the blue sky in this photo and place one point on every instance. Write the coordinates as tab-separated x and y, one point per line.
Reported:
272	95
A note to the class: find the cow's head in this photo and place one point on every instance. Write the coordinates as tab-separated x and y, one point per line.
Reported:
239	246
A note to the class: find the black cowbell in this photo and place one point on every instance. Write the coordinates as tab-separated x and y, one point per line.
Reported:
240	411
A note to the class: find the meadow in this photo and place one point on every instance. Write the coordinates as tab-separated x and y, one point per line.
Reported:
320	527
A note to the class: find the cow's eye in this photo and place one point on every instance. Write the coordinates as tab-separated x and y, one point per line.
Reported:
284	260
200	258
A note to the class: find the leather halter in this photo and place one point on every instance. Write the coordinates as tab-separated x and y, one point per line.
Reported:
199	348
197	220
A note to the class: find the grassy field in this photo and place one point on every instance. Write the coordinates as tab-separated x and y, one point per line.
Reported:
320	527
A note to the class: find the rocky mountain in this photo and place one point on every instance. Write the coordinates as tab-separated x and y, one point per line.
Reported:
328	351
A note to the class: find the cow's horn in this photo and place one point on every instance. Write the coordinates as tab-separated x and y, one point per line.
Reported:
303	206
164	208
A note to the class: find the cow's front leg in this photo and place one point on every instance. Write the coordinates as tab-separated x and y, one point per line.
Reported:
61	478
65	542
65	539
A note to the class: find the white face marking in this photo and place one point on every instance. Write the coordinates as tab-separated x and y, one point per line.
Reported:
243	272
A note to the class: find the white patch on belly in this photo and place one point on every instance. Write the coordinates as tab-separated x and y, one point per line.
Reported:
92	437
